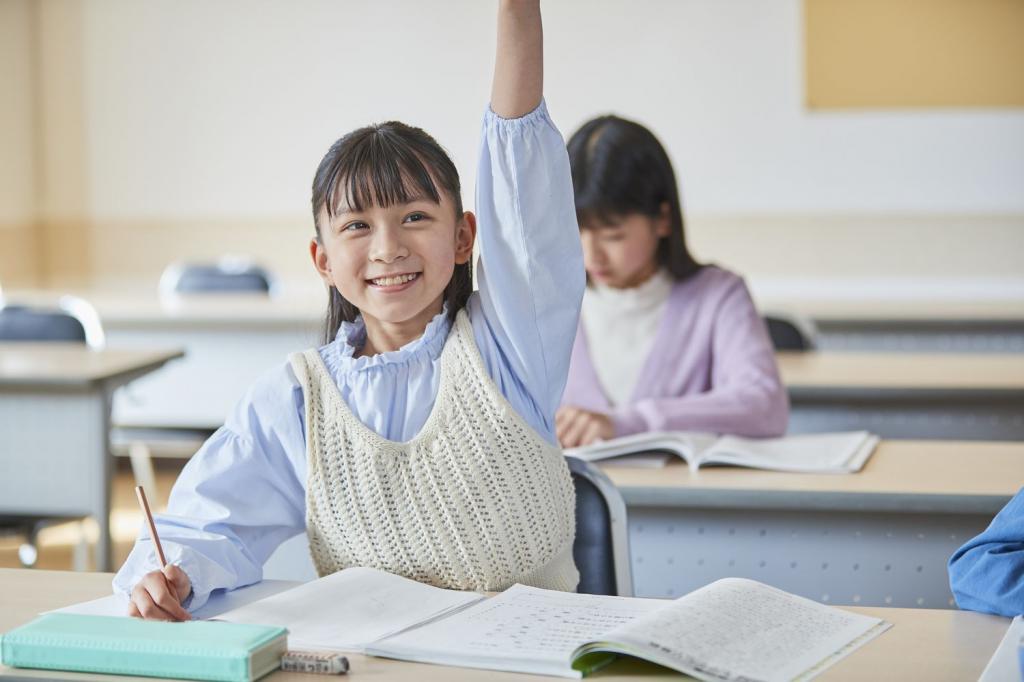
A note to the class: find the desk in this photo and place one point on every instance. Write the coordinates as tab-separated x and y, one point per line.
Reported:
230	340
921	326
935	395
880	537
54	428
924	644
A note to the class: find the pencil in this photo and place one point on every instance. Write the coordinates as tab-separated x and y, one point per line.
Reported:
141	494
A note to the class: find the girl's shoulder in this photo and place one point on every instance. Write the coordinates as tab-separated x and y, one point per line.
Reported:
710	282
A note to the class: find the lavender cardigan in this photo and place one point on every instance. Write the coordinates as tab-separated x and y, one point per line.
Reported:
711	368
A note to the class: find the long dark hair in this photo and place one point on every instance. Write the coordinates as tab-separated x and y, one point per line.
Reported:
383	165
620	168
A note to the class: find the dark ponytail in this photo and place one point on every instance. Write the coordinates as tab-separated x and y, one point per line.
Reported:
620	168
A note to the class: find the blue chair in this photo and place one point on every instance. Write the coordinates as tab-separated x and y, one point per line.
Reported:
601	550
227	275
789	334
72	321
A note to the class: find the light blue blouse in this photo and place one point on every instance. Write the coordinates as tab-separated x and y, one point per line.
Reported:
987	573
243	493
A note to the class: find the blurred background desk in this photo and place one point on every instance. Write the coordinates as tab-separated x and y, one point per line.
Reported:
898	395
918	326
54	429
880	537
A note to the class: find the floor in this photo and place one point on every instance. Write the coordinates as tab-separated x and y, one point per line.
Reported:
58	544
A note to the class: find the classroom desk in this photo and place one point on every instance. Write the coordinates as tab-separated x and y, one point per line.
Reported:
880	537
230	340
55	425
917	326
932	395
923	644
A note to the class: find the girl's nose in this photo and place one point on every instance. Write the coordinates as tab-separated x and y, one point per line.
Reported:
387	246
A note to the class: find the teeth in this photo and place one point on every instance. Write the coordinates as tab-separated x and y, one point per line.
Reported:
392	281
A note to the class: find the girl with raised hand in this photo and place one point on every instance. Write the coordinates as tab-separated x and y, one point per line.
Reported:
665	343
420	439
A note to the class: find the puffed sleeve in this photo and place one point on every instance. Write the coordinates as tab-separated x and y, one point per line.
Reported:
237	499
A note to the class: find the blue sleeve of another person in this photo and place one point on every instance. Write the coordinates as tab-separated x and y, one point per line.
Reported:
987	573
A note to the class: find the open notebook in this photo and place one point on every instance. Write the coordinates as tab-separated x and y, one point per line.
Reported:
730	629
823	453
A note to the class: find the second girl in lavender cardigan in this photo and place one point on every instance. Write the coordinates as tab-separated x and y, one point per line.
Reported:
664	343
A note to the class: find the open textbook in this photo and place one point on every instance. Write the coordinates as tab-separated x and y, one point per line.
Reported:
823	453
731	629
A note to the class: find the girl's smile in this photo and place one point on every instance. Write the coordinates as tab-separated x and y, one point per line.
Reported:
394	283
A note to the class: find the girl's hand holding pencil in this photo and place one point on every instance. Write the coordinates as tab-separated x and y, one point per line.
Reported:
158	596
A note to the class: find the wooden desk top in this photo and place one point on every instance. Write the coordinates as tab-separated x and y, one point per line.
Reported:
923	644
902	371
73	364
899	310
905	473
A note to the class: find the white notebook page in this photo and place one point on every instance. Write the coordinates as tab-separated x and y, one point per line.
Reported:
805	452
347	610
736	628
524	629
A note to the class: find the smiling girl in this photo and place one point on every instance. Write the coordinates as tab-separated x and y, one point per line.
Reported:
665	343
420	438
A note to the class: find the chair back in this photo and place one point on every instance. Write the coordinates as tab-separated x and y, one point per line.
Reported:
228	275
601	549
789	334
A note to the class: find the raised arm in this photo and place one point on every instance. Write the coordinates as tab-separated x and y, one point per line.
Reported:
519	65
530	271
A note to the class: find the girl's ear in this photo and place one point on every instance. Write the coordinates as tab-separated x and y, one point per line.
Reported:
663	223
465	237
320	262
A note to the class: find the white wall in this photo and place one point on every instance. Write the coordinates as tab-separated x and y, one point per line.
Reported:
197	114
229	105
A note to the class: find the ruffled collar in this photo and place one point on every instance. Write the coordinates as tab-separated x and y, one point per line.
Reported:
352	336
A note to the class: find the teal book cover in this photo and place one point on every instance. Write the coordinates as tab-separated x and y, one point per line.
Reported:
197	650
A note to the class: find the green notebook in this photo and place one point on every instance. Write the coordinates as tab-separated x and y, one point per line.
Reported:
195	650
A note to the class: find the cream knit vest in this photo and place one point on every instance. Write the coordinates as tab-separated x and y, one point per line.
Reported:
476	501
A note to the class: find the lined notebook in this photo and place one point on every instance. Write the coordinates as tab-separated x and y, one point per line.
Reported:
194	650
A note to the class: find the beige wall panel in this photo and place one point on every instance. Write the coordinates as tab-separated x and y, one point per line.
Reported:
127	252
63	192
17	166
19	265
862	246
914	53
763	247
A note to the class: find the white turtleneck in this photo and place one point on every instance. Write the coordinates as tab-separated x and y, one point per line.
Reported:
620	325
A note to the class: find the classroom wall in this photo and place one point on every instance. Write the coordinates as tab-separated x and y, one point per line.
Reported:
18	253
187	128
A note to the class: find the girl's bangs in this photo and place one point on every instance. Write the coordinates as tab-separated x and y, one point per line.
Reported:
379	174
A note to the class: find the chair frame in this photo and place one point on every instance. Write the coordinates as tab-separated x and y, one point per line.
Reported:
616	518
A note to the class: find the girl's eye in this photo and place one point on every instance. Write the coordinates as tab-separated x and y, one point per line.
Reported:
355	225
415	217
